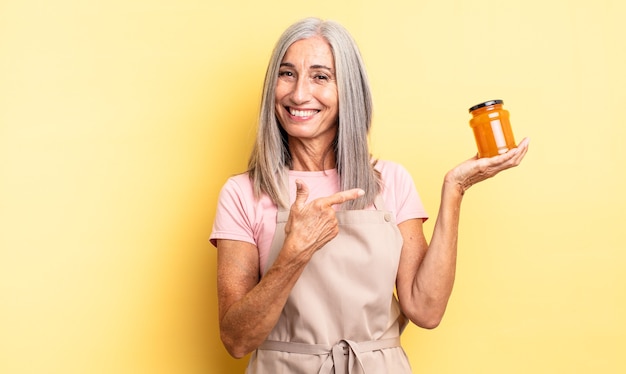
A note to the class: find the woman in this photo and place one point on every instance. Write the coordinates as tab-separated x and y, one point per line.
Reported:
315	237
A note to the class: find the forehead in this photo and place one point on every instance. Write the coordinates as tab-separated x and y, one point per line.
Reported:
311	51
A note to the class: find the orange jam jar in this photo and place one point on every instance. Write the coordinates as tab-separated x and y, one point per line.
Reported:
492	129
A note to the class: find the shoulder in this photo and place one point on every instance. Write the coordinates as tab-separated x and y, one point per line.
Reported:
390	167
392	172
239	184
238	193
240	180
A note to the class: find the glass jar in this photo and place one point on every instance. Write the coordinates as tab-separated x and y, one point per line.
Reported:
492	129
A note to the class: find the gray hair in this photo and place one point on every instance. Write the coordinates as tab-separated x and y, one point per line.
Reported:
270	156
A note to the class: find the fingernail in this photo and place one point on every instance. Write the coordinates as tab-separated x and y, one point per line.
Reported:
360	192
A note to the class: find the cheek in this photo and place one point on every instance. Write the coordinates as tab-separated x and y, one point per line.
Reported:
329	98
333	105
282	89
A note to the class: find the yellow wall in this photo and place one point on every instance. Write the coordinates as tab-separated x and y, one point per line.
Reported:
120	120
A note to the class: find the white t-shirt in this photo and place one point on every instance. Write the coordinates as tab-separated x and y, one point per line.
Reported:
241	217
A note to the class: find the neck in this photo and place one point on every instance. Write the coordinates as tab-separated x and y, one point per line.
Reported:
312	158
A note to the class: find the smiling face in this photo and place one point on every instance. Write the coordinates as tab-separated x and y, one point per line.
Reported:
307	103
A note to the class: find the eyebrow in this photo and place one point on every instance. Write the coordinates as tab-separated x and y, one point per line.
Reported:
290	65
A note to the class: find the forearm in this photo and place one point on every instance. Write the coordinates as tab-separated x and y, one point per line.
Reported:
245	323
436	275
434	279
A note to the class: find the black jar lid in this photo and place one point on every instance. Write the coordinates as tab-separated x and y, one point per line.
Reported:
486	103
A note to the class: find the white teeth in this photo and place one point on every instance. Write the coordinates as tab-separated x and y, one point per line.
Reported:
302	113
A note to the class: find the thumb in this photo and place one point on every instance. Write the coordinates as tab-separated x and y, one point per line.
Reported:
302	193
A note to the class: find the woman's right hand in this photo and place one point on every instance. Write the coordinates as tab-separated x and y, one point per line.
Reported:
311	225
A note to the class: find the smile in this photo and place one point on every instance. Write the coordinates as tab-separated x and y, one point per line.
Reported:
302	113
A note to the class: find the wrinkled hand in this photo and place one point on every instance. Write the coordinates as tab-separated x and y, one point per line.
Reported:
477	169
312	225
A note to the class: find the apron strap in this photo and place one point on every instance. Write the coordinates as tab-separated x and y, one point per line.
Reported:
336	354
379	203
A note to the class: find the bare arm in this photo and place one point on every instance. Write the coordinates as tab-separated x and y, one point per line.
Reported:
426	272
249	307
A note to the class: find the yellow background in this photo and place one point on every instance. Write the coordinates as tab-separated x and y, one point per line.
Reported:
121	120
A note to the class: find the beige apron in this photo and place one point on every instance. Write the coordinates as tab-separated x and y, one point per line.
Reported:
342	315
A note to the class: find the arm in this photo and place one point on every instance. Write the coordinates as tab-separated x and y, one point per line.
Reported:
249	307
426	272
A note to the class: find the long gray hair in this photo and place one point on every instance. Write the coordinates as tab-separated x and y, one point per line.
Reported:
271	157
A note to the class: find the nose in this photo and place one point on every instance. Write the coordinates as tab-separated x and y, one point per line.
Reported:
301	92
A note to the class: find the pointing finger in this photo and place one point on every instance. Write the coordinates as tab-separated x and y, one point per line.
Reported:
343	196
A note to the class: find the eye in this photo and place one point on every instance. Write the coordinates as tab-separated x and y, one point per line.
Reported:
285	73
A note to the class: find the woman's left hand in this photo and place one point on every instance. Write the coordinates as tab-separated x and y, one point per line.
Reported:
477	169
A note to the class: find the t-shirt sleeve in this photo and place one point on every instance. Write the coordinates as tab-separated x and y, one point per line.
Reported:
233	217
406	200
411	205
